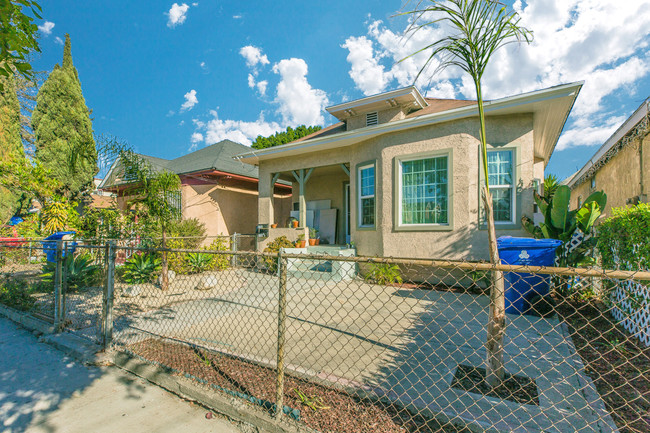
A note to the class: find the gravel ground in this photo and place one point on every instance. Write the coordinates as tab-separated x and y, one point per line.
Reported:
323	409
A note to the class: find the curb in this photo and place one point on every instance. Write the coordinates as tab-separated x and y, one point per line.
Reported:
27	321
185	388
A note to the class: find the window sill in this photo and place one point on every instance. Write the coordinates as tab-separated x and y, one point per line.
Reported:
423	228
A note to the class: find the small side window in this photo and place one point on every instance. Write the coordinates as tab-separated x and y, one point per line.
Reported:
593	182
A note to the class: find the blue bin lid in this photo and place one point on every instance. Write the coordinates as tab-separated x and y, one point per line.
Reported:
511	242
58	236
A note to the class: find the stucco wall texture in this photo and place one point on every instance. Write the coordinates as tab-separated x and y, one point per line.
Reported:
623	177
465	238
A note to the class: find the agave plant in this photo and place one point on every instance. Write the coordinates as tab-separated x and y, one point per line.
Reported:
80	272
141	268
199	262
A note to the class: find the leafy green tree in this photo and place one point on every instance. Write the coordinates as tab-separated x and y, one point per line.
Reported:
18	34
11	146
63	129
478	28
156	192
284	137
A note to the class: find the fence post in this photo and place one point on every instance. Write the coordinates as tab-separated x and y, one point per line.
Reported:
107	305
233	247
58	288
282	324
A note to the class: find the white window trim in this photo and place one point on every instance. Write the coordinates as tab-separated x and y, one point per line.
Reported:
450	206
513	195
361	197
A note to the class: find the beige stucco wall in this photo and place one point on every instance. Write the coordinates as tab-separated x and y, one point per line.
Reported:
620	178
464	239
226	209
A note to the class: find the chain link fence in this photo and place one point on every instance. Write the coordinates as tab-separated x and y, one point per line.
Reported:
355	344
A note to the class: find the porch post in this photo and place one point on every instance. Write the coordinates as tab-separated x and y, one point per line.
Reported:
265	199
302	177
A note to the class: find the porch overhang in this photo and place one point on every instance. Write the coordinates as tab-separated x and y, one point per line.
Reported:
550	108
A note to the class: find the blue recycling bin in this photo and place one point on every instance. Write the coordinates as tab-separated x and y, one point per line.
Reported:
520	287
49	246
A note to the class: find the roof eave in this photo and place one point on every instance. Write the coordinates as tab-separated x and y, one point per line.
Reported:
495	107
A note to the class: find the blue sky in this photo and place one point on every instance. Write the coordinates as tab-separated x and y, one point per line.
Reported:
169	77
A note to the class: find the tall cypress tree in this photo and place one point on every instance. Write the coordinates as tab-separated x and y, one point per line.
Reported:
63	129
11	146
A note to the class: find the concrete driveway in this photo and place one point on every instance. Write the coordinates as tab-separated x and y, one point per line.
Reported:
402	343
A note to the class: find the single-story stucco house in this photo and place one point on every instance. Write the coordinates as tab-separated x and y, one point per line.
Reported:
399	174
216	189
620	167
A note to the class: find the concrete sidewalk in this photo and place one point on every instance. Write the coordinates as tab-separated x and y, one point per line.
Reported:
41	390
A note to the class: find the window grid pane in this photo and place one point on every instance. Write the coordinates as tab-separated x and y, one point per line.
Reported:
424	191
367	196
500	176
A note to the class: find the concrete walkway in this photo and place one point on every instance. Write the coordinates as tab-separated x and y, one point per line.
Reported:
41	390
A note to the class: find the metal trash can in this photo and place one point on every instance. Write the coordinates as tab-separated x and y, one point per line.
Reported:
520	287
49	245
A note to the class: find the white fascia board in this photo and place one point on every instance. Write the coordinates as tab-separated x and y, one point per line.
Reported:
378	98
508	105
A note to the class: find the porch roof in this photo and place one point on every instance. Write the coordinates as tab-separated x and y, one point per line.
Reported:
550	108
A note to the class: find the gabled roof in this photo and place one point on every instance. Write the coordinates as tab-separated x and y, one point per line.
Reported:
550	109
637	123
217	157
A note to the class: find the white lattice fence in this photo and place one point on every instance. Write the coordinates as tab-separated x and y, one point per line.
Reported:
631	307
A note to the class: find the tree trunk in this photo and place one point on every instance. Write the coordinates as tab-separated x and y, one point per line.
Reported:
164	266
495	373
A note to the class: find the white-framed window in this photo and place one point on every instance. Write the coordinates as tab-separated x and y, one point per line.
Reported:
423	189
501	175
372	118
366	193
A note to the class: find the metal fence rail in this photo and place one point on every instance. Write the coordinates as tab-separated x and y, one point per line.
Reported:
358	344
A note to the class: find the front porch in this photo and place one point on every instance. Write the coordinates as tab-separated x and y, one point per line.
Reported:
320	201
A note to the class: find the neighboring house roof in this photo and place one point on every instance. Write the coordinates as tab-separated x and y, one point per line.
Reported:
550	108
216	157
636	125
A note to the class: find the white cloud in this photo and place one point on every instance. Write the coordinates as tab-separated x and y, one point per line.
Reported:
195	4
251	81
261	87
58	40
239	131
298	102
587	135
202	64
46	28
190	100
253	56
593	40
237	17
177	14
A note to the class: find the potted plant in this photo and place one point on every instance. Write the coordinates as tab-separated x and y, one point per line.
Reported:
313	236
274	225
301	242
294	222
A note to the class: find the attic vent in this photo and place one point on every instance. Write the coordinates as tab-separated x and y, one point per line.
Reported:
372	119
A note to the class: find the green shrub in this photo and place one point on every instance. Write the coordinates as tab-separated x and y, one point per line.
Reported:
141	269
15	294
191	231
384	273
80	272
274	247
624	238
220	262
